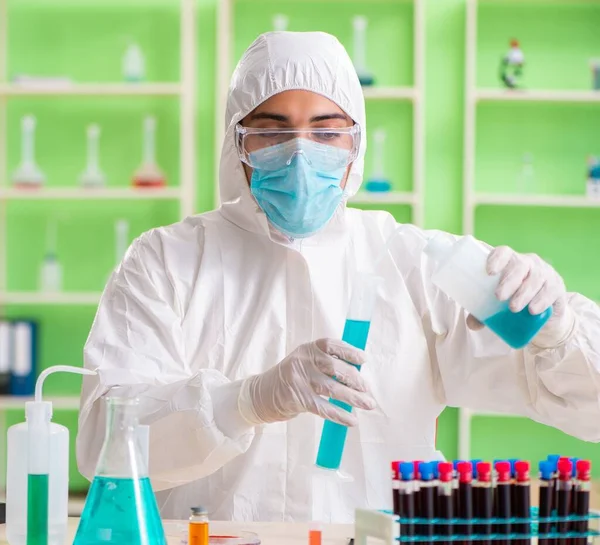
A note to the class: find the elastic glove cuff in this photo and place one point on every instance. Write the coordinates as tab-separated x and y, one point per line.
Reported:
245	403
227	415
557	331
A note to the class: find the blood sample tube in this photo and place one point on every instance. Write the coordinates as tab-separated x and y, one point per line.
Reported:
484	500
582	492
445	505
407	498
522	496
564	488
427	496
502	506
545	501
465	495
396	487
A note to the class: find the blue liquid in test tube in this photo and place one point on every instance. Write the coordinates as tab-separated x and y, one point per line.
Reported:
356	332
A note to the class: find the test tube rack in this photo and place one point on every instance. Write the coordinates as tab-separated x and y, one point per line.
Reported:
385	527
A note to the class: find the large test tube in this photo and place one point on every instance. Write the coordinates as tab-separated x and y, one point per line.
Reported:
356	332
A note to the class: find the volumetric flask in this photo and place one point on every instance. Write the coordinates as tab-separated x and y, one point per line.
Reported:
121	508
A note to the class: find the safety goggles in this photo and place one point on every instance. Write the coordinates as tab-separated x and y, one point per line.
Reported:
272	149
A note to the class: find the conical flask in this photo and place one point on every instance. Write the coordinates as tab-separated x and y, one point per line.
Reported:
121	508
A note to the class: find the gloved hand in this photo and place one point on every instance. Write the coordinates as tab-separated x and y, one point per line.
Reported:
296	384
527	280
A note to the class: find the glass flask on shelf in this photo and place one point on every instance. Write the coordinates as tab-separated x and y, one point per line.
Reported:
121	508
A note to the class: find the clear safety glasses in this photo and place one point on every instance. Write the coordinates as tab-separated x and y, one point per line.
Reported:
272	149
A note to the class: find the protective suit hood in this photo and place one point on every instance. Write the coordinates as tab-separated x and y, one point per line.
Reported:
277	62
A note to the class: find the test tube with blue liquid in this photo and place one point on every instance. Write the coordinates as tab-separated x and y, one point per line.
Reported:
356	333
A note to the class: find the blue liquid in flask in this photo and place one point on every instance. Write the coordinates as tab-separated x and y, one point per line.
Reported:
333	436
517	329
120	511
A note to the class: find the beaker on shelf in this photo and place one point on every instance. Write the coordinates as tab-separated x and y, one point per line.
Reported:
121	507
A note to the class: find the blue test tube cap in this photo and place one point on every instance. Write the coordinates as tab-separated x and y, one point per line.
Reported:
407	471
554	458
474	464
455	464
426	471
546	470
513	470
574	460
435	469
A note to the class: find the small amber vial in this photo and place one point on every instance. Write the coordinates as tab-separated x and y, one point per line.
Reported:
198	527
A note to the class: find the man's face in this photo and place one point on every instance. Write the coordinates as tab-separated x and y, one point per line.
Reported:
297	110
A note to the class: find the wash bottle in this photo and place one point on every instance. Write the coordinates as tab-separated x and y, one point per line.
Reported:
37	483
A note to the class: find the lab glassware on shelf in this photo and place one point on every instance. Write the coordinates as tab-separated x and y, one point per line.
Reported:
378	182
511	66
149	174
359	53
134	64
28	174
93	176
280	22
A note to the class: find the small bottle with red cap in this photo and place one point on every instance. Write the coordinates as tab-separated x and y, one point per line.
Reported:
465	496
564	488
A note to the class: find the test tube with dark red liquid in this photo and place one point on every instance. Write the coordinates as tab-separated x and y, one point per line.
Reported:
407	499
502	506
522	497
465	498
564	487
582	493
445	504
545	502
484	500
427	499
417	493
396	487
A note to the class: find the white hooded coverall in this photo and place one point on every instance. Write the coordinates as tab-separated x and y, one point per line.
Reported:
198	306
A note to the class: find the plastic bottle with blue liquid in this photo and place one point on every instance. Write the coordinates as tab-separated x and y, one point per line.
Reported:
378	182
356	333
460	272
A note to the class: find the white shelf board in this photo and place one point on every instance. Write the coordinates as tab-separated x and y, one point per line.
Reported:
59	402
524	95
559	201
391	197
40	298
90	89
82	193
389	93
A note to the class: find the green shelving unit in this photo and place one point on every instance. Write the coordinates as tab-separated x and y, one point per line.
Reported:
554	119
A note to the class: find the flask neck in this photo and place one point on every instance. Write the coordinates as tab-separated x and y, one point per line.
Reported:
120	455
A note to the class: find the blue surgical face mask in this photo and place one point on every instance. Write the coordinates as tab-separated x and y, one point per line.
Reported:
300	197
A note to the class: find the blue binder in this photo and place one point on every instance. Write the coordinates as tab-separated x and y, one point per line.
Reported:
24	360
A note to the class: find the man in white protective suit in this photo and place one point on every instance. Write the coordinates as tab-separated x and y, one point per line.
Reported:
227	325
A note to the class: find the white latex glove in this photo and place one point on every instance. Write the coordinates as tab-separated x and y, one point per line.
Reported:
527	280
296	385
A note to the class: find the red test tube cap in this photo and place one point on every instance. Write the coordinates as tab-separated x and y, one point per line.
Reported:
416	466
584	470
484	472
445	470
565	469
522	471
465	472
396	470
503	471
